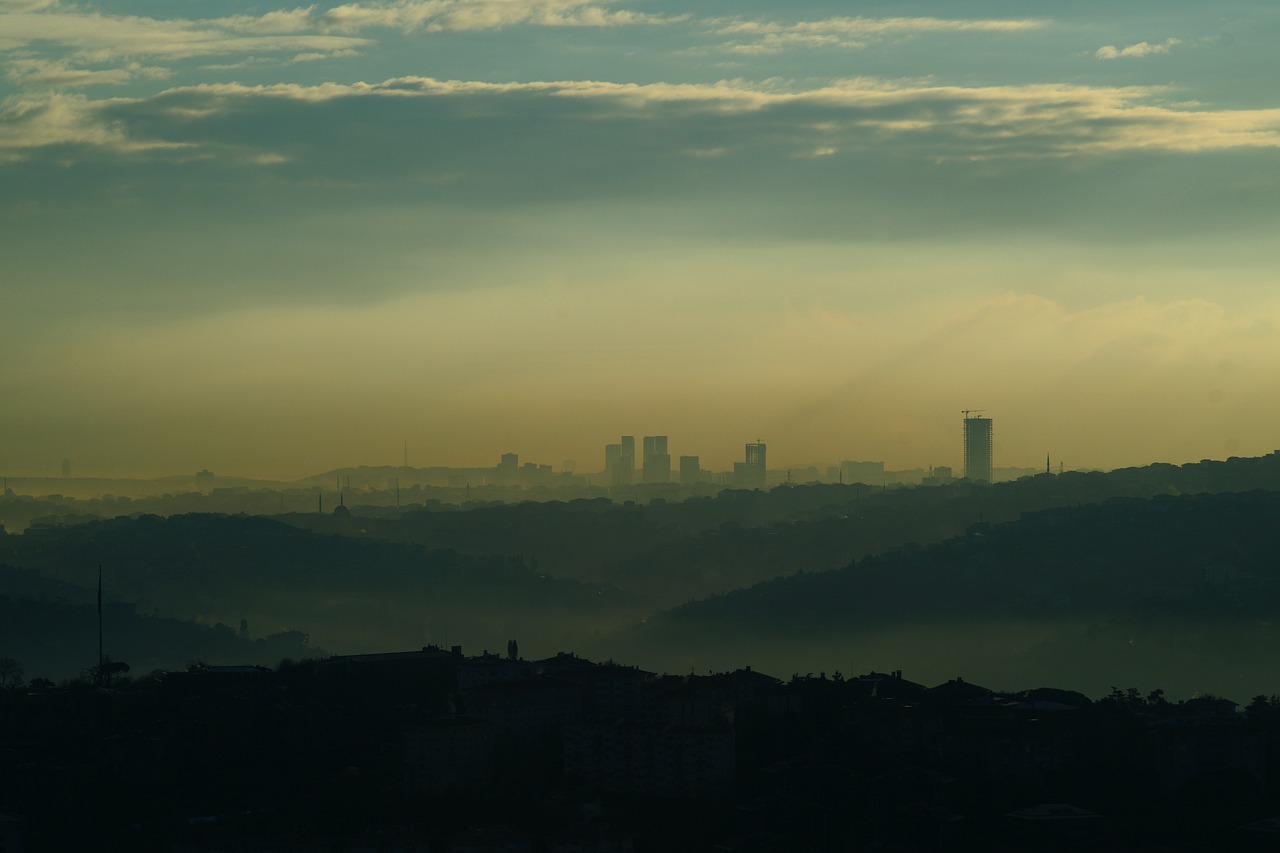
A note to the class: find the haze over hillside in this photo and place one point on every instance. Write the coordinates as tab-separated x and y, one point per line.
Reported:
823	575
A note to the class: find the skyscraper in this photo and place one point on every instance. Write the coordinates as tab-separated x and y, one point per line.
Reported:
612	459
690	470
977	449
657	461
750	474
628	455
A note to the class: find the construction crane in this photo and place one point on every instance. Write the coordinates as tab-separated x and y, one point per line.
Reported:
967	412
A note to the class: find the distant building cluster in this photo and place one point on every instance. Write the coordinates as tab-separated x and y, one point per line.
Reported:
655	465
622	469
643	470
646	467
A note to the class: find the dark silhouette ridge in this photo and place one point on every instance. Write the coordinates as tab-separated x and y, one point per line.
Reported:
405	750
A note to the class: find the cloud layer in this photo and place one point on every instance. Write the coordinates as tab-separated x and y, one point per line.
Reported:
755	37
850	116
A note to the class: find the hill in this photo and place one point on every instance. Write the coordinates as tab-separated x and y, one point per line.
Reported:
1174	587
670	552
350	594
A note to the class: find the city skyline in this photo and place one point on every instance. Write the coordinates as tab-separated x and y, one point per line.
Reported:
622	467
269	239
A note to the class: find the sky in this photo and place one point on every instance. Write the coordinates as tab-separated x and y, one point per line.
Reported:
275	240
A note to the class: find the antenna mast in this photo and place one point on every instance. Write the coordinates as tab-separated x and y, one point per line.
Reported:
100	673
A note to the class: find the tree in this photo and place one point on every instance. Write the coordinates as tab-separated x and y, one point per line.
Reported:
108	671
10	672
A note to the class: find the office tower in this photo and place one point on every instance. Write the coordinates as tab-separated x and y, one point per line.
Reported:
654	444
690	470
617	466
977	449
751	473
657	461
66	469
629	454
508	469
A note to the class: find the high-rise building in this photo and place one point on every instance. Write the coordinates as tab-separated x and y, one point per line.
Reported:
690	470
750	474
507	468
628	458
657	461
977	449
617	466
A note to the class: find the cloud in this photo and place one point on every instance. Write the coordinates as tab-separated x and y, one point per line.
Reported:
75	43
43	73
280	21
842	32
857	116
92	37
62	121
316	57
1136	51
1048	119
440	15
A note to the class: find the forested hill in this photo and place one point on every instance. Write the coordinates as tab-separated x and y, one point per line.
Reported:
347	593
56	639
1182	557
672	552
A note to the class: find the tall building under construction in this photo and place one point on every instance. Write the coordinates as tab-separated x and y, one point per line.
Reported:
751	473
977	449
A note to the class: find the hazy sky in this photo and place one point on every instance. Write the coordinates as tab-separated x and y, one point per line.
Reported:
276	240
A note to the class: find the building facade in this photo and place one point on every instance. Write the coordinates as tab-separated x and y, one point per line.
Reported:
690	470
750	474
977	450
657	461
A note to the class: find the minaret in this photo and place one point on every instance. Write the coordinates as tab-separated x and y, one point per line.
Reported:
1047	469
